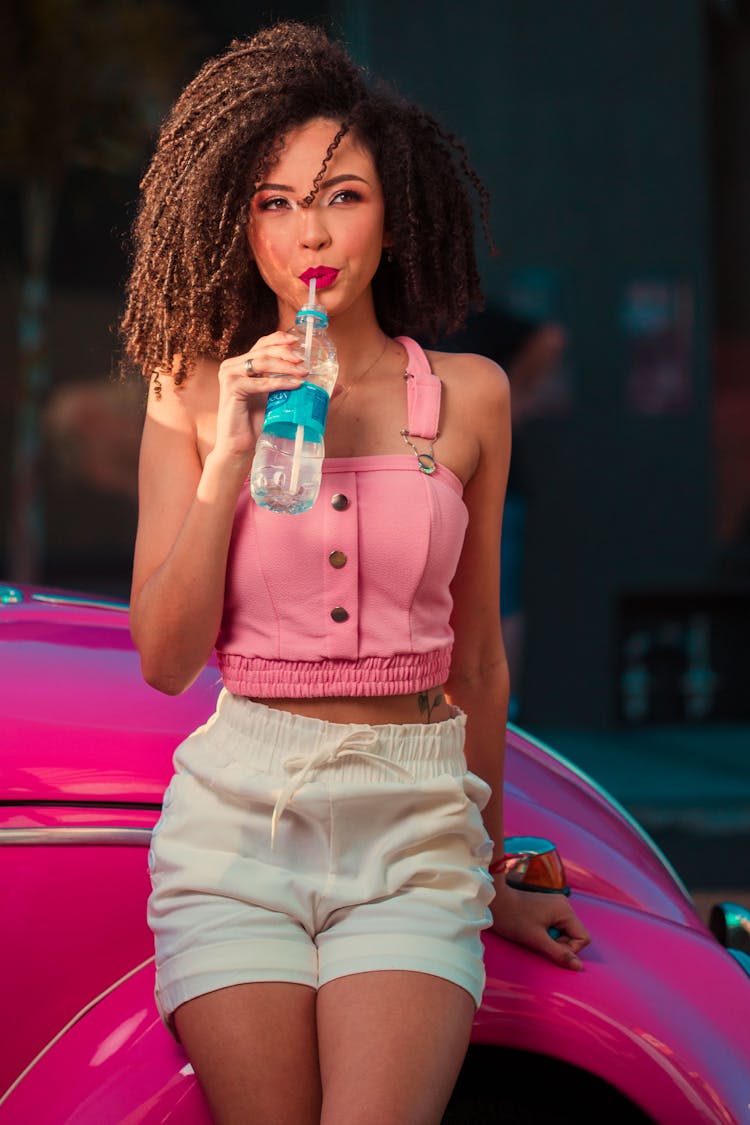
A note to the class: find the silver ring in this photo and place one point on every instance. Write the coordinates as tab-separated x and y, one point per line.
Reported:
249	367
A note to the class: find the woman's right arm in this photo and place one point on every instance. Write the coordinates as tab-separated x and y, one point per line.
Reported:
186	511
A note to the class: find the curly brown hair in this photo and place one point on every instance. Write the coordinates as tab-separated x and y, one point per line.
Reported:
195	291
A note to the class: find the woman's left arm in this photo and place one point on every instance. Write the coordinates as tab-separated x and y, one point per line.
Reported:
479	678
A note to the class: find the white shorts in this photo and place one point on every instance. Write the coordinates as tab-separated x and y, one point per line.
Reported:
293	849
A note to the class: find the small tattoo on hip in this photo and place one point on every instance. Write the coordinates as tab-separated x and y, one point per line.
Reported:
426	707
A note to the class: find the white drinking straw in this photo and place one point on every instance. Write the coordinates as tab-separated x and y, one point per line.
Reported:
299	438
309	322
299	435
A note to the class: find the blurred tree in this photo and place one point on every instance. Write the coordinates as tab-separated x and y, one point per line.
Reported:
83	83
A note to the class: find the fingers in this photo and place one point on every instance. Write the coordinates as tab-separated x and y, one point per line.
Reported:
568	960
561	951
554	942
565	939
575	933
271	357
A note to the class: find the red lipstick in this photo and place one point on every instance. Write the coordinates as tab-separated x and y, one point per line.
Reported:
324	276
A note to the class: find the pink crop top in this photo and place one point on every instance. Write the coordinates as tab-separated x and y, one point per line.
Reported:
350	598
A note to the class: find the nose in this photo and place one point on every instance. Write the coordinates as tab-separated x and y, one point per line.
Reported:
313	230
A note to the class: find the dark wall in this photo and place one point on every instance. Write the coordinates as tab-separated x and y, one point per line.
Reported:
587	122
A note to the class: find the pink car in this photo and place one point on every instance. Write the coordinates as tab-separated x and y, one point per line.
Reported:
655	1028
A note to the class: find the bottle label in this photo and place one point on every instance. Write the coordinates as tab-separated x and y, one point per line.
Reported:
303	406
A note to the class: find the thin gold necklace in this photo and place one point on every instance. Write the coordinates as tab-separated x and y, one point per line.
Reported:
346	388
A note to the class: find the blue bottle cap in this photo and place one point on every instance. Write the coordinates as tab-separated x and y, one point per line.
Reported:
317	312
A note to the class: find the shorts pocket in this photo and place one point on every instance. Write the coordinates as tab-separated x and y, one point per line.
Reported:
475	793
476	789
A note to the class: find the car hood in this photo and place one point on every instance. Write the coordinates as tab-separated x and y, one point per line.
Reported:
78	721
80	727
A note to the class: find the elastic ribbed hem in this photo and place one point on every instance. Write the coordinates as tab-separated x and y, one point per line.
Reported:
195	972
342	957
400	674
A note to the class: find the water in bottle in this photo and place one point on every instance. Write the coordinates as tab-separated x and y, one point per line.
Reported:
288	462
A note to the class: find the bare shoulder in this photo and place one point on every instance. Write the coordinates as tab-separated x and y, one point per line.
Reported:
181	406
480	383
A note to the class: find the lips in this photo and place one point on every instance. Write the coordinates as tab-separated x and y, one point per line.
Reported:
324	276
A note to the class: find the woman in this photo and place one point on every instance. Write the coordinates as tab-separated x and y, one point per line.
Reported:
320	872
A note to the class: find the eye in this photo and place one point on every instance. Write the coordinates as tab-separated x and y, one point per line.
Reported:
346	195
275	203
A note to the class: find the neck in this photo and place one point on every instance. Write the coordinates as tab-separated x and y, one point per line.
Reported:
356	352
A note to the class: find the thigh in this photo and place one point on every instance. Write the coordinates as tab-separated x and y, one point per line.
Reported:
254	1050
391	1044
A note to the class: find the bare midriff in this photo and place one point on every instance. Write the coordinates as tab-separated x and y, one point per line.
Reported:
428	706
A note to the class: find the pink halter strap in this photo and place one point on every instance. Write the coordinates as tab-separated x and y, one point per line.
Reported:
422	392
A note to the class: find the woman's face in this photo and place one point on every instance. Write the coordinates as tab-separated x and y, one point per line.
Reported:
338	238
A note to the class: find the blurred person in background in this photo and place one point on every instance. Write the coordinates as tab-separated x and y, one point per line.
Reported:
93	430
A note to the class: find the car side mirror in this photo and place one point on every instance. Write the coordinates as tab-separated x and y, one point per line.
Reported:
730	924
534	864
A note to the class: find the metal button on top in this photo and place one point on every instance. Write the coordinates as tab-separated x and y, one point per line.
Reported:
339	614
337	559
340	502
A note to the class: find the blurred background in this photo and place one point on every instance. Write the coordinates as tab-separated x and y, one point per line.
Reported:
615	141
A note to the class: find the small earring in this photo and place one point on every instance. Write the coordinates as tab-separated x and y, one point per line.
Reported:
389	256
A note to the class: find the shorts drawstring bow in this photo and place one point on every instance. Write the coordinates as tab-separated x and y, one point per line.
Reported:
353	745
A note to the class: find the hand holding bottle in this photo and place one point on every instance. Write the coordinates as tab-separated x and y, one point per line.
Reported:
243	377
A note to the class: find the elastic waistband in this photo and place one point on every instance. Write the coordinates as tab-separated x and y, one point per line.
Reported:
399	674
269	738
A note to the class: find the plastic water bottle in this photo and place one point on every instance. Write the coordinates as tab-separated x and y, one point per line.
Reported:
288	463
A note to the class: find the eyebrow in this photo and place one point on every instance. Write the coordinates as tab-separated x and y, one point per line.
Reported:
326	183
